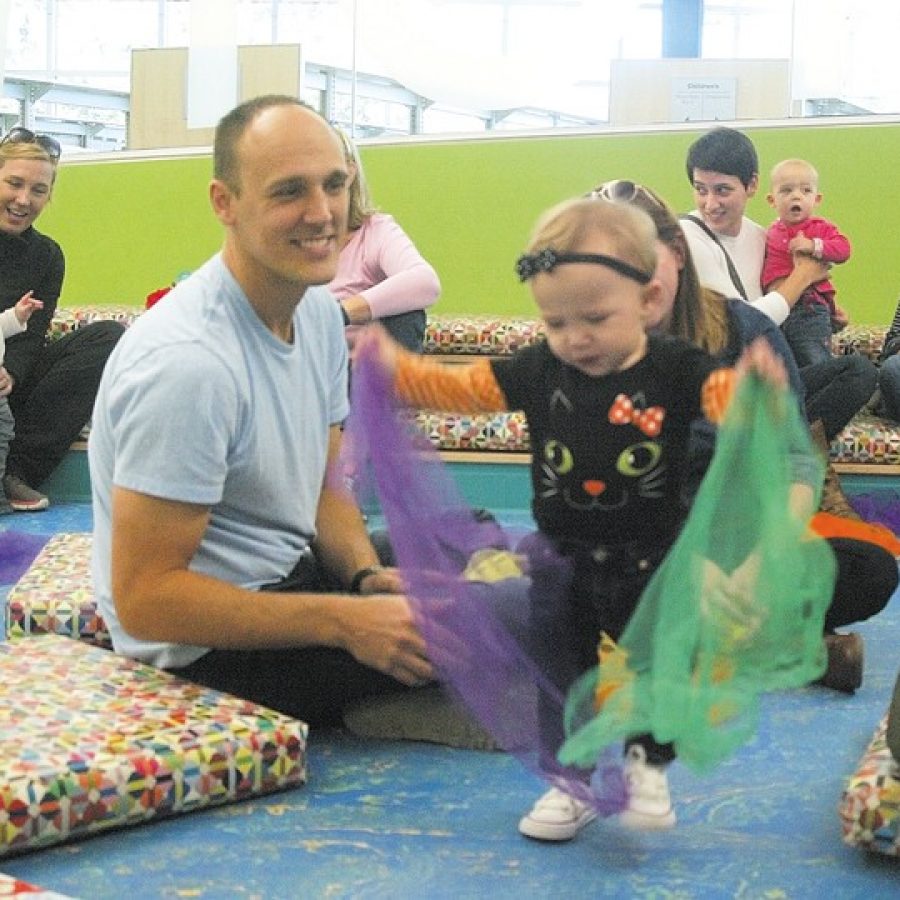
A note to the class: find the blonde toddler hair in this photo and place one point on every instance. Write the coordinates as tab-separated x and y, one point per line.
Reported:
566	226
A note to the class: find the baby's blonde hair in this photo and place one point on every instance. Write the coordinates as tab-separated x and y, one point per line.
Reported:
566	226
778	168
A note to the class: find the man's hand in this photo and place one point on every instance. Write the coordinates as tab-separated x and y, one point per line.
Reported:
810	268
381	633
7	383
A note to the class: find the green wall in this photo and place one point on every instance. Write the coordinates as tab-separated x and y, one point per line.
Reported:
129	226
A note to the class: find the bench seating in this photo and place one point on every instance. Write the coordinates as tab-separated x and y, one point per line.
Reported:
868	444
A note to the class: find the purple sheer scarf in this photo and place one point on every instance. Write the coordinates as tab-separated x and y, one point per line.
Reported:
17	552
471	591
882	507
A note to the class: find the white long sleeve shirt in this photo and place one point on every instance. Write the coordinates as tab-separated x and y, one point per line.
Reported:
747	250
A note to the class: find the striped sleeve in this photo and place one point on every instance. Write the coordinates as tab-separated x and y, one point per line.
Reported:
718	389
461	388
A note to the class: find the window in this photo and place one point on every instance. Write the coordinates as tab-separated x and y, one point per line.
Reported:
438	66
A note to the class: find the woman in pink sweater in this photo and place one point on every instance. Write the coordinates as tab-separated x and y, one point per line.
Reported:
381	275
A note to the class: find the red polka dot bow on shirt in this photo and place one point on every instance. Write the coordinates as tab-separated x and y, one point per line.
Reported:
623	412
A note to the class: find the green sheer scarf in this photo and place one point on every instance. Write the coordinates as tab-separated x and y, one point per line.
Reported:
737	607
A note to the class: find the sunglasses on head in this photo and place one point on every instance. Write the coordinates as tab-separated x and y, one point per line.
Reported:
21	135
619	191
623	191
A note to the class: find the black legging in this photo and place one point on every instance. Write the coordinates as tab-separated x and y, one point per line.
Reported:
56	397
867	576
837	389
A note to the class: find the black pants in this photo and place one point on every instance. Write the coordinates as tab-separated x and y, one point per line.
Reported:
55	400
837	389
604	596
309	683
867	576
408	329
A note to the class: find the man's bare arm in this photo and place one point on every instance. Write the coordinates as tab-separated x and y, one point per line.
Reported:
342	541
158	598
807	271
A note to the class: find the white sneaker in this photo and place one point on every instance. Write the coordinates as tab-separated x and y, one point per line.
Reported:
556	817
649	804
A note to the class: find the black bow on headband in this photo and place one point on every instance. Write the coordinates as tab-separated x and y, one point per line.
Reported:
528	265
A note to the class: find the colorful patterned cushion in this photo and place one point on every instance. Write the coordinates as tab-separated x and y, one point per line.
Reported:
56	594
91	741
866	339
867	439
870	806
13	887
479	335
455	335
504	432
69	318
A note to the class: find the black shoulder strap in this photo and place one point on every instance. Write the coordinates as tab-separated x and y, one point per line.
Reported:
732	271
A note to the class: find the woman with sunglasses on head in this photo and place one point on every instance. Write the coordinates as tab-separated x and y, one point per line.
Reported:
50	386
867	572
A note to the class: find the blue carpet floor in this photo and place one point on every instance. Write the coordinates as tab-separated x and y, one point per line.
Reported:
404	820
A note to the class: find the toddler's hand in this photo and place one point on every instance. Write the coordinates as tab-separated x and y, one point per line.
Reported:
728	602
800	243
26	306
760	359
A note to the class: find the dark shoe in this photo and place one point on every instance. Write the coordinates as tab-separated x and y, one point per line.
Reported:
23	498
834	500
845	662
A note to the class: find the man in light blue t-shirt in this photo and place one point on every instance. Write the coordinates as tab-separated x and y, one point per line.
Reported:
221	551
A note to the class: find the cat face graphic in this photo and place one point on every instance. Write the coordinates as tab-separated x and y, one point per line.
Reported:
638	471
636	467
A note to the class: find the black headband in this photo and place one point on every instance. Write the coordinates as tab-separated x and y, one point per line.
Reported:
528	265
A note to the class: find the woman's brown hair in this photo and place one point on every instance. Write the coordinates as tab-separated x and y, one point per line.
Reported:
699	315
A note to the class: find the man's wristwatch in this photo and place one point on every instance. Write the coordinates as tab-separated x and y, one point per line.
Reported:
362	575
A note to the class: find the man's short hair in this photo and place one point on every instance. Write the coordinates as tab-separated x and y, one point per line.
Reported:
232	126
724	150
